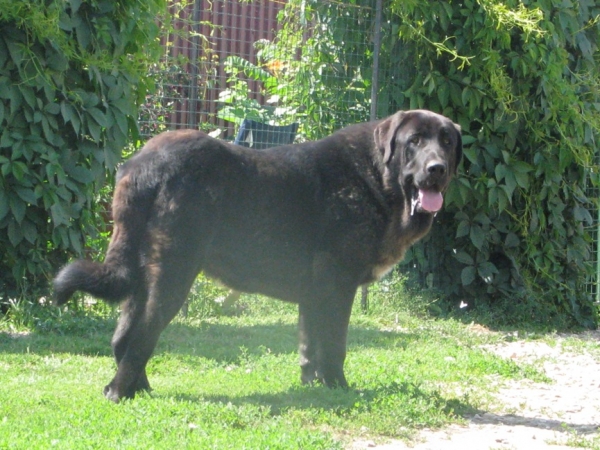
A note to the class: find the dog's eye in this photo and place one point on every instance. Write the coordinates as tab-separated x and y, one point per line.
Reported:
445	138
415	140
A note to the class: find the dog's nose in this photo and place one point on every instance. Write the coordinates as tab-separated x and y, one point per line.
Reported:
436	168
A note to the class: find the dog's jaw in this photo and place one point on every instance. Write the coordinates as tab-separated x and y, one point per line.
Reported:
426	201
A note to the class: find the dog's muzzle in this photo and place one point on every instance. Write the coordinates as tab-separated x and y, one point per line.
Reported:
426	195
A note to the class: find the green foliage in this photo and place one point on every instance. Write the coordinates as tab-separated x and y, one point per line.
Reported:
319	79
522	79
237	98
70	82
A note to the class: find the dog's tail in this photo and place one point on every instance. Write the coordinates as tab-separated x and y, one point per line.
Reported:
114	279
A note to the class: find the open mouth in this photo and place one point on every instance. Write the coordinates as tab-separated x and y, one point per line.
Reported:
426	200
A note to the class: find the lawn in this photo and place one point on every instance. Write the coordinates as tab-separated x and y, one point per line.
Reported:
233	382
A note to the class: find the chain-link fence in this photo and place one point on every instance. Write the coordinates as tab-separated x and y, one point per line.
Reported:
276	63
266	72
594	233
245	71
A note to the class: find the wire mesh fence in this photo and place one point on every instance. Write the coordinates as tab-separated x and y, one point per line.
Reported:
593	193
266	72
247	71
272	62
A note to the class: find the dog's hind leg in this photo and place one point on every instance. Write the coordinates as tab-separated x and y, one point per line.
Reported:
131	311
137	334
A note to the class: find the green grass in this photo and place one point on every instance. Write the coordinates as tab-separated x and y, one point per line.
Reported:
233	382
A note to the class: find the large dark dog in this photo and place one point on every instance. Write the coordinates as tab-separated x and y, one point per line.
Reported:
305	223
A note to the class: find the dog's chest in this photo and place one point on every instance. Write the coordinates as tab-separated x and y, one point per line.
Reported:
402	232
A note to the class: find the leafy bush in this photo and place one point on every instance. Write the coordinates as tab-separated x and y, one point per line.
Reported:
523	81
71	77
319	79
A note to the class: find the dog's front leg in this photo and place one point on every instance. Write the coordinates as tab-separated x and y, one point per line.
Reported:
323	334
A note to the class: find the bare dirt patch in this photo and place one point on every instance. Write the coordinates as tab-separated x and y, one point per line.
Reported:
564	414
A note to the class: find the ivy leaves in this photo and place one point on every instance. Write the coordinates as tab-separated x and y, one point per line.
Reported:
67	106
520	213
478	230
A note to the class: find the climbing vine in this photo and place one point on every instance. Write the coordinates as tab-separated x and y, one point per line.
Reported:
522	79
71	78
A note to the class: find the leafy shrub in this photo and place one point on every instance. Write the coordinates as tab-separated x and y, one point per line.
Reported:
71	77
522	79
319	79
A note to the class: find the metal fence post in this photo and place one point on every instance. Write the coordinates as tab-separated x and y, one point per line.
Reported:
364	301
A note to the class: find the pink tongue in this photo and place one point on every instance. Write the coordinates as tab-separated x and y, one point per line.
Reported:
430	200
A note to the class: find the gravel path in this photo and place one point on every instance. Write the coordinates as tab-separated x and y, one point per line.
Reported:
561	415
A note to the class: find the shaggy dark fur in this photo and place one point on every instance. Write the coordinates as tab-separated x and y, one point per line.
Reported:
305	223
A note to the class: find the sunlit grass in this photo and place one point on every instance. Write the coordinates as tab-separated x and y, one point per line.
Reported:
233	382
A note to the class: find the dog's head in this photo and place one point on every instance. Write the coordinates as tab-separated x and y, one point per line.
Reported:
421	150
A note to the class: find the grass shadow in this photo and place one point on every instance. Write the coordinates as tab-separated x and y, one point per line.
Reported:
221	342
339	401
43	344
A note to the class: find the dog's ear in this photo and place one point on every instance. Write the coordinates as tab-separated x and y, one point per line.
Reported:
385	135
459	147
